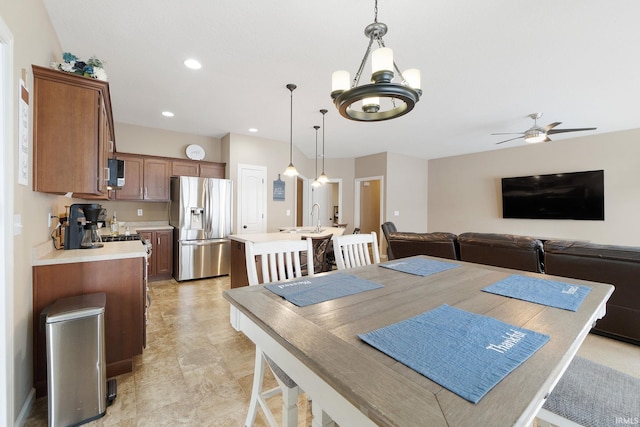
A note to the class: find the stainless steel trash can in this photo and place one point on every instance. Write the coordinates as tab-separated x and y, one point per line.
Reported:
76	370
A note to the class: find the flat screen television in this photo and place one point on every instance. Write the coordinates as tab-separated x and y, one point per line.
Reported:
575	195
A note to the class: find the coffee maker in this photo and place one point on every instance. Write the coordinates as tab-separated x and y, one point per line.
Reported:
81	231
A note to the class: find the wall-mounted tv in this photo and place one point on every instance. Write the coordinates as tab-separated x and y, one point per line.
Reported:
575	195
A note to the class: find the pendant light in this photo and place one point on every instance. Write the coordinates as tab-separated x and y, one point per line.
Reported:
382	99
291	170
316	182
323	178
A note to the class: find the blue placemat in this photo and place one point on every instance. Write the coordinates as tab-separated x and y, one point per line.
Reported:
312	290
466	353
541	291
419	266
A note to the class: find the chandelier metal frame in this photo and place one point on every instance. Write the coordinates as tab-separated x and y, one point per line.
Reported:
381	86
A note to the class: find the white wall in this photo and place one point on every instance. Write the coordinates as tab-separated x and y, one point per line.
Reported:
406	182
465	191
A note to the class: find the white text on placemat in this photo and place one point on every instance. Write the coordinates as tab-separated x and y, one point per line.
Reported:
510	339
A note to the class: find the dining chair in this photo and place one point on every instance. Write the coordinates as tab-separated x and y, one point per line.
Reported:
322	247
355	250
278	260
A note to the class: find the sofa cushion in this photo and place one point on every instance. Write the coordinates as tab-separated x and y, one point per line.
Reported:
616	265
502	250
438	244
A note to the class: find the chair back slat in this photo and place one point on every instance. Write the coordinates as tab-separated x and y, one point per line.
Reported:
356	250
279	260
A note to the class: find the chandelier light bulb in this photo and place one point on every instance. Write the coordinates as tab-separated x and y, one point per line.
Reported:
412	77
340	81
382	60
371	105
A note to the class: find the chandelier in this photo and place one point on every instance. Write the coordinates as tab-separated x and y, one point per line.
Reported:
382	99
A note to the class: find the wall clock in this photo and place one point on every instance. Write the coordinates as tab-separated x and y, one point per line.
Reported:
195	152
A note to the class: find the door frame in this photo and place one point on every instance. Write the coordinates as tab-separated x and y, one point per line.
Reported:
7	379
356	205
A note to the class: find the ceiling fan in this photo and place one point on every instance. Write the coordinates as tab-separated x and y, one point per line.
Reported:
537	133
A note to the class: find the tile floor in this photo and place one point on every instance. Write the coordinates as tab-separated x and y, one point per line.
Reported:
197	370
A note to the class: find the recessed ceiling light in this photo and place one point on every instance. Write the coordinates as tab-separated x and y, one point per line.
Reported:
167	113
193	64
253	130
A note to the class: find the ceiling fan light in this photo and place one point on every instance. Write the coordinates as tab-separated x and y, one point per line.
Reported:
535	136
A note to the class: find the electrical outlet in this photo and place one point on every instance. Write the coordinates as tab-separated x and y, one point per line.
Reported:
49	218
139	212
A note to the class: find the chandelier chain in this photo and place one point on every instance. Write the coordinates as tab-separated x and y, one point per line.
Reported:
375	11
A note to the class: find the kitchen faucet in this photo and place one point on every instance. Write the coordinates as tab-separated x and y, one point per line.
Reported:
318	226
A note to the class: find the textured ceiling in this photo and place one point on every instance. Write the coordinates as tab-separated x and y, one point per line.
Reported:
485	66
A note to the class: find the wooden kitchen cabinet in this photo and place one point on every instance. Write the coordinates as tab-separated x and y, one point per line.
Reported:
161	260
197	168
123	282
73	134
145	178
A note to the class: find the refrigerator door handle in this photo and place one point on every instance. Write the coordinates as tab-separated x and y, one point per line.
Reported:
203	242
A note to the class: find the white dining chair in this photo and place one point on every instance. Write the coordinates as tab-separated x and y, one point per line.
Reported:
355	250
279	260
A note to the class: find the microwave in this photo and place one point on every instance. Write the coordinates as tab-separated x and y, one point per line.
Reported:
116	174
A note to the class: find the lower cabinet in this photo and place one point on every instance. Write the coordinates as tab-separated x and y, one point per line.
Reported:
161	261
123	282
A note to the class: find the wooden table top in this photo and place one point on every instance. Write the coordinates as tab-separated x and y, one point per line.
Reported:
324	337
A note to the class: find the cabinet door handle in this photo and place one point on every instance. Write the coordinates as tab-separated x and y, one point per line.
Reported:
108	174
158	241
145	192
141	192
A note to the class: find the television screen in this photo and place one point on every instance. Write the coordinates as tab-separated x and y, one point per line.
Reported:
575	195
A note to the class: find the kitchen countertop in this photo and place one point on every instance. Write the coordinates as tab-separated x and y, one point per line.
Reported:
45	254
287	235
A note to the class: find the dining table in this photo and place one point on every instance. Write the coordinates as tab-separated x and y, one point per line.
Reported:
353	383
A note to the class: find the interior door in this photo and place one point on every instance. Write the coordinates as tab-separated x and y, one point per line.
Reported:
370	202
252	206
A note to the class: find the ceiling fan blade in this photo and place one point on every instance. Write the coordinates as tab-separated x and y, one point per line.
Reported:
546	139
508	133
552	131
550	126
502	142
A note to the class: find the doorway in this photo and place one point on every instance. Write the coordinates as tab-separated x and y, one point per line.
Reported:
369	204
327	196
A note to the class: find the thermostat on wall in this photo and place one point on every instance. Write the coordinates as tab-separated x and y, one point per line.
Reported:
195	152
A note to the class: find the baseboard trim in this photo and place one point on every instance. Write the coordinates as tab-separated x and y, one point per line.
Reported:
26	409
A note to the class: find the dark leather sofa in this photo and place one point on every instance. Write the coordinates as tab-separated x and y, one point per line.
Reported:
502	250
403	244
616	265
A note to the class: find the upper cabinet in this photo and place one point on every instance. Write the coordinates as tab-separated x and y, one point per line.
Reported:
73	134
145	178
197	168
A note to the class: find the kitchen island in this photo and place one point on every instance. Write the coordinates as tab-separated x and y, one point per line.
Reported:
238	259
117	269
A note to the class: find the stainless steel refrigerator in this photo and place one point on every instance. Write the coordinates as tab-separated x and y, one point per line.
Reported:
200	213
